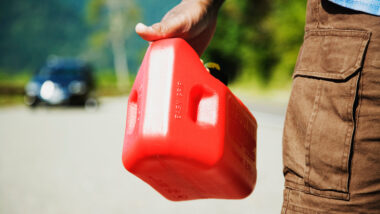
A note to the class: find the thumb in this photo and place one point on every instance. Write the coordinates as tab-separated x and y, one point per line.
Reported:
152	33
167	28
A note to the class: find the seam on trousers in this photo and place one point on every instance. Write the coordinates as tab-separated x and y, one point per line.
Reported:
320	193
309	132
285	206
357	112
349	135
346	140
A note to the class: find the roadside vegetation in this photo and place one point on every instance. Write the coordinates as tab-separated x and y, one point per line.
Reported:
12	86
256	42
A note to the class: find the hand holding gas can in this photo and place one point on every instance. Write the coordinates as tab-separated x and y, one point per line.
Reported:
191	20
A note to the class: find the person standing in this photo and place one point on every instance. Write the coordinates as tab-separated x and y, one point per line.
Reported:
331	140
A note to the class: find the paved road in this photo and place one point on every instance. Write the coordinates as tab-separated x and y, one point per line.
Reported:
69	161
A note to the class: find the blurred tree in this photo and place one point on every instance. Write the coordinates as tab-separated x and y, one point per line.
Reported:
286	23
121	16
260	39
32	30
256	41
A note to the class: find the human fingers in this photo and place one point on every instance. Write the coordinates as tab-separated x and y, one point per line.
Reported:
184	21
167	28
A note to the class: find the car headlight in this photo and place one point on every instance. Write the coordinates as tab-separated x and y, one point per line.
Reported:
51	92
77	87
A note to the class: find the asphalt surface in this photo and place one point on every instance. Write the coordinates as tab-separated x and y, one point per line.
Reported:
57	160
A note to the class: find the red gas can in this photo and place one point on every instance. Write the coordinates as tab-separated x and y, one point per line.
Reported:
186	134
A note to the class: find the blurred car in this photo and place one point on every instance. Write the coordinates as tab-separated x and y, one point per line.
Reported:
61	82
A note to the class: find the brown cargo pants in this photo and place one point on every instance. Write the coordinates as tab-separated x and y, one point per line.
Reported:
331	142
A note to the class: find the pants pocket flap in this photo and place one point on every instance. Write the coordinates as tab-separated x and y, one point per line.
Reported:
331	54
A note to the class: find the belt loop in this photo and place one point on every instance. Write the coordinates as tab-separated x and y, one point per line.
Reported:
312	14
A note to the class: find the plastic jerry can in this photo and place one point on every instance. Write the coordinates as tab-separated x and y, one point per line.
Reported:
186	134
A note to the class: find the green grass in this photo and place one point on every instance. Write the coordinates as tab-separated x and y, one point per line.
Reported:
11	87
106	84
18	79
7	100
252	87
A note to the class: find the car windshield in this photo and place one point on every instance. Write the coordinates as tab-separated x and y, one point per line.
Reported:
63	72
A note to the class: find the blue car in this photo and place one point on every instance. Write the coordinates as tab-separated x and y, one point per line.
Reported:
61	82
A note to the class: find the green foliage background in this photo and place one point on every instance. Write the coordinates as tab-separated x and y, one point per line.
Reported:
256	42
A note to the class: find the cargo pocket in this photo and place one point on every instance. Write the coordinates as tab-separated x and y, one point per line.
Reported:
321	110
